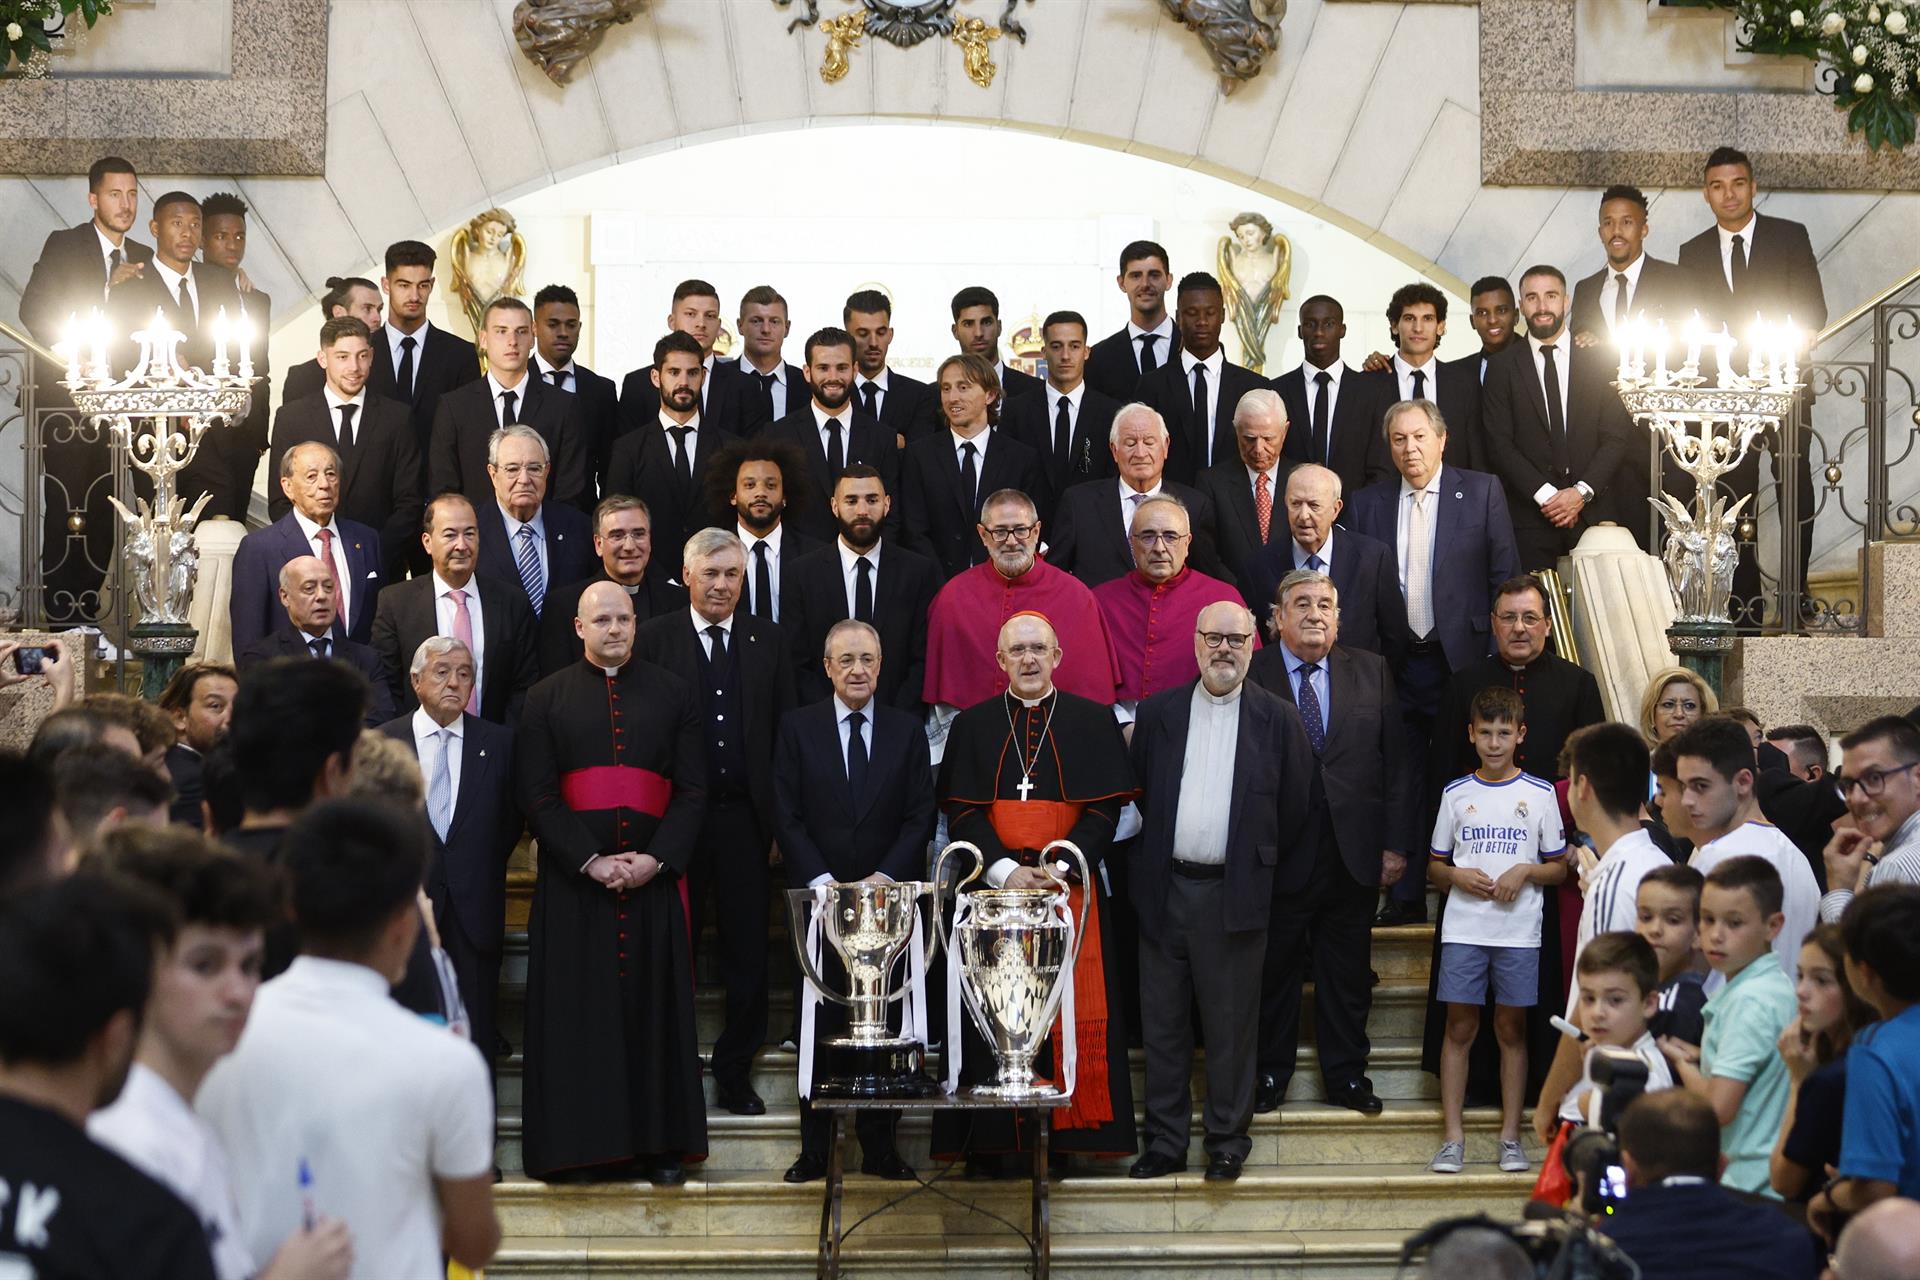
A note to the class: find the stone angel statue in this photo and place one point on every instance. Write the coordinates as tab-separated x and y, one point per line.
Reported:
161	556
488	257
1255	268
1700	555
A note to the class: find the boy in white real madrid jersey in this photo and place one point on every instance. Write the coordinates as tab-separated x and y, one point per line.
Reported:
1497	840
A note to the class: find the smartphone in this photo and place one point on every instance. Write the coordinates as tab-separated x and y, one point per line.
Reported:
1613	1187
28	659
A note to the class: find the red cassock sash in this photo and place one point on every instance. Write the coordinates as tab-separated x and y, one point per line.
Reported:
622	786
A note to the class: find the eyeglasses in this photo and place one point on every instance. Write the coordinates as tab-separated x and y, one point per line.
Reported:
1029	650
1155	538
515	469
1672	705
619	537
1011	533
1235	640
1871	781
1524	619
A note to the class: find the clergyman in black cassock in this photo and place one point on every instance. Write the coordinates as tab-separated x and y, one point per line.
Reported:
613	776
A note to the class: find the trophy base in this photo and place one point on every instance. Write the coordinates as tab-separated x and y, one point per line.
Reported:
1013	1092
875	1069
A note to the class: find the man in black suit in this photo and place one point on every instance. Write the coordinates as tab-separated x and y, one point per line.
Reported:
490	617
1069	422
945	477
1493	316
1333	412
1196	392
1119	360
1226	776
870	579
1361	825
556	335
345	296
976	327
664	461
192	297
200	700
467	764
379	469
307	601
720	394
623	539
1556	430
310	479
744	673
1248	491
223	220
1750	264
770	387
1632	284
853	800
469	415
1091	533
1373	616
1417	318
757	481
414	360
831	432
524	538
903	405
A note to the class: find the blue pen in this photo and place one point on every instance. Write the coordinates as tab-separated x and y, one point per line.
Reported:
307	1216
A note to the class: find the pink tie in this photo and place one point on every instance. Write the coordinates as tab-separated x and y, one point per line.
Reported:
326	554
463	632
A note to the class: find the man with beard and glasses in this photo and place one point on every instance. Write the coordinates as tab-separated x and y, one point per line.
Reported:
758	479
869	578
664	460
623	539
905	406
833	433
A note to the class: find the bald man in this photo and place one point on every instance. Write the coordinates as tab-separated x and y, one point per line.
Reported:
1373	613
1226	772
309	605
1883	1243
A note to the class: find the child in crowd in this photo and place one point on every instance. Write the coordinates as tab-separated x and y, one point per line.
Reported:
1669	919
1496	841
1666	802
1737	1066
1814	1047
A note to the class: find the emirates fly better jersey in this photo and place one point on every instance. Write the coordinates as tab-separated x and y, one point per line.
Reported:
1491	827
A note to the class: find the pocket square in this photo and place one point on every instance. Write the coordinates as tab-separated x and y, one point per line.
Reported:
373	573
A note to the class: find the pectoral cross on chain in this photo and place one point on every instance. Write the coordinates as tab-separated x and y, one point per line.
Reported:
1025	789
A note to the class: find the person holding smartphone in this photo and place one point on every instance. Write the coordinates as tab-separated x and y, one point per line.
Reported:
23	664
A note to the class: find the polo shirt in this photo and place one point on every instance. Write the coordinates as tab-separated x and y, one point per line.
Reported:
1880	1138
1741	1042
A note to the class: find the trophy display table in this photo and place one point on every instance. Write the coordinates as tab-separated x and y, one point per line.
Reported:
1038	1238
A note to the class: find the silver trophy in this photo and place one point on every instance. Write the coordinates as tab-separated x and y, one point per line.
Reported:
868	924
1015	963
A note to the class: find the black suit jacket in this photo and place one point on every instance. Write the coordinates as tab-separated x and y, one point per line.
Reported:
1088	540
1356	447
1366	574
379	477
253	606
1113	363
862	440
1665	291
441	363
903	590
285	642
908	408
306	377
1236	525
939	521
754	415
469	869
1272	790
408	615
720	401
1365	797
1016	382
466	420
598	410
766	682
559	644
1783	277
1705	1232
185	767
70	279
1029	419
823	826
569	541
642	465
794	547
1454	385
1170	390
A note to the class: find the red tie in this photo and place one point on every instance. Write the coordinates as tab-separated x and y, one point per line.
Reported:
1263	504
339	596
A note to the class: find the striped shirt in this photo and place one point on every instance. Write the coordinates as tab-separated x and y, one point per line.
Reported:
1899	864
1612	893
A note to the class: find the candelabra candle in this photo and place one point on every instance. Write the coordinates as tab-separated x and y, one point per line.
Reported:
220	343
97	327
1660	355
246	345
69	347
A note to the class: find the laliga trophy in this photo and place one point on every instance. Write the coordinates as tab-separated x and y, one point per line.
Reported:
868	924
1015	950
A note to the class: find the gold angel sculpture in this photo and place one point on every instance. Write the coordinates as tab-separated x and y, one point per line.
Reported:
1255	267
488	257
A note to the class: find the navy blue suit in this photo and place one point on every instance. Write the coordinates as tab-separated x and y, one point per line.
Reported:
569	540
1704	1232
254	608
285	642
1373	616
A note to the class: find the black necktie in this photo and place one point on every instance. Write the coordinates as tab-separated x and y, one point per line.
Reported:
856	752
863	589
1737	268
1148	361
969	476
1556	414
346	432
1419	384
762	583
1619	299
766	393
1202	429
870	395
682	457
186	301
1321	381
836	456
506	408
718	654
404	375
114	260
558	377
322	648
1063	432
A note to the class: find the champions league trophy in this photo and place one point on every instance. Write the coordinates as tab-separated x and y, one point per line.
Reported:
1015	950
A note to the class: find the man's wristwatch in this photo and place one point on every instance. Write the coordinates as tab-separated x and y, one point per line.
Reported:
1586	490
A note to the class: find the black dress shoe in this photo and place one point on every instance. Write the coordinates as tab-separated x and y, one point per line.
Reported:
887	1164
1224	1168
1156	1164
1268	1093
806	1169
1357	1095
1399	913
666	1173
741	1101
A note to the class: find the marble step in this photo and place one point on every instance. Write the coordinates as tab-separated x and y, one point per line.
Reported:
1405	1136
717	1202
1247	1255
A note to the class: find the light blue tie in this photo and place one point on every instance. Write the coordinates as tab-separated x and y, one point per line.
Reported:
528	559
440	784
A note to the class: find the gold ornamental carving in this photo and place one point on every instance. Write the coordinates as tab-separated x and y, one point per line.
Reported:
973	36
906	23
843	36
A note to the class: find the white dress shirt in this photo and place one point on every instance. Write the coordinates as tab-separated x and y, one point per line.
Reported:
850	569
1129	505
544	370
343	599
782	393
171	279
539	527
1726	245
1322	687
1214	363
1405	518
1325	553
107	249
700	626
1073	399
1562	366
1164	331
669	426
1404	373
773	541
1610	289
496	389
425	727
880	388
394	338
443	612
1206	777
979	444
359	403
821	418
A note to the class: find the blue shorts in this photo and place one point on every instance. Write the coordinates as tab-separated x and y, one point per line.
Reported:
1464	969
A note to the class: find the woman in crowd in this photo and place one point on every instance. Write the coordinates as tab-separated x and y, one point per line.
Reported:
1814	1047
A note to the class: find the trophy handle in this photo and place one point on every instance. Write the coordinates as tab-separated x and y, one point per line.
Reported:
802	904
1086	879
940	888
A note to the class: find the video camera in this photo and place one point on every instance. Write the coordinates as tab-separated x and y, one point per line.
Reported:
1592	1156
1560	1246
